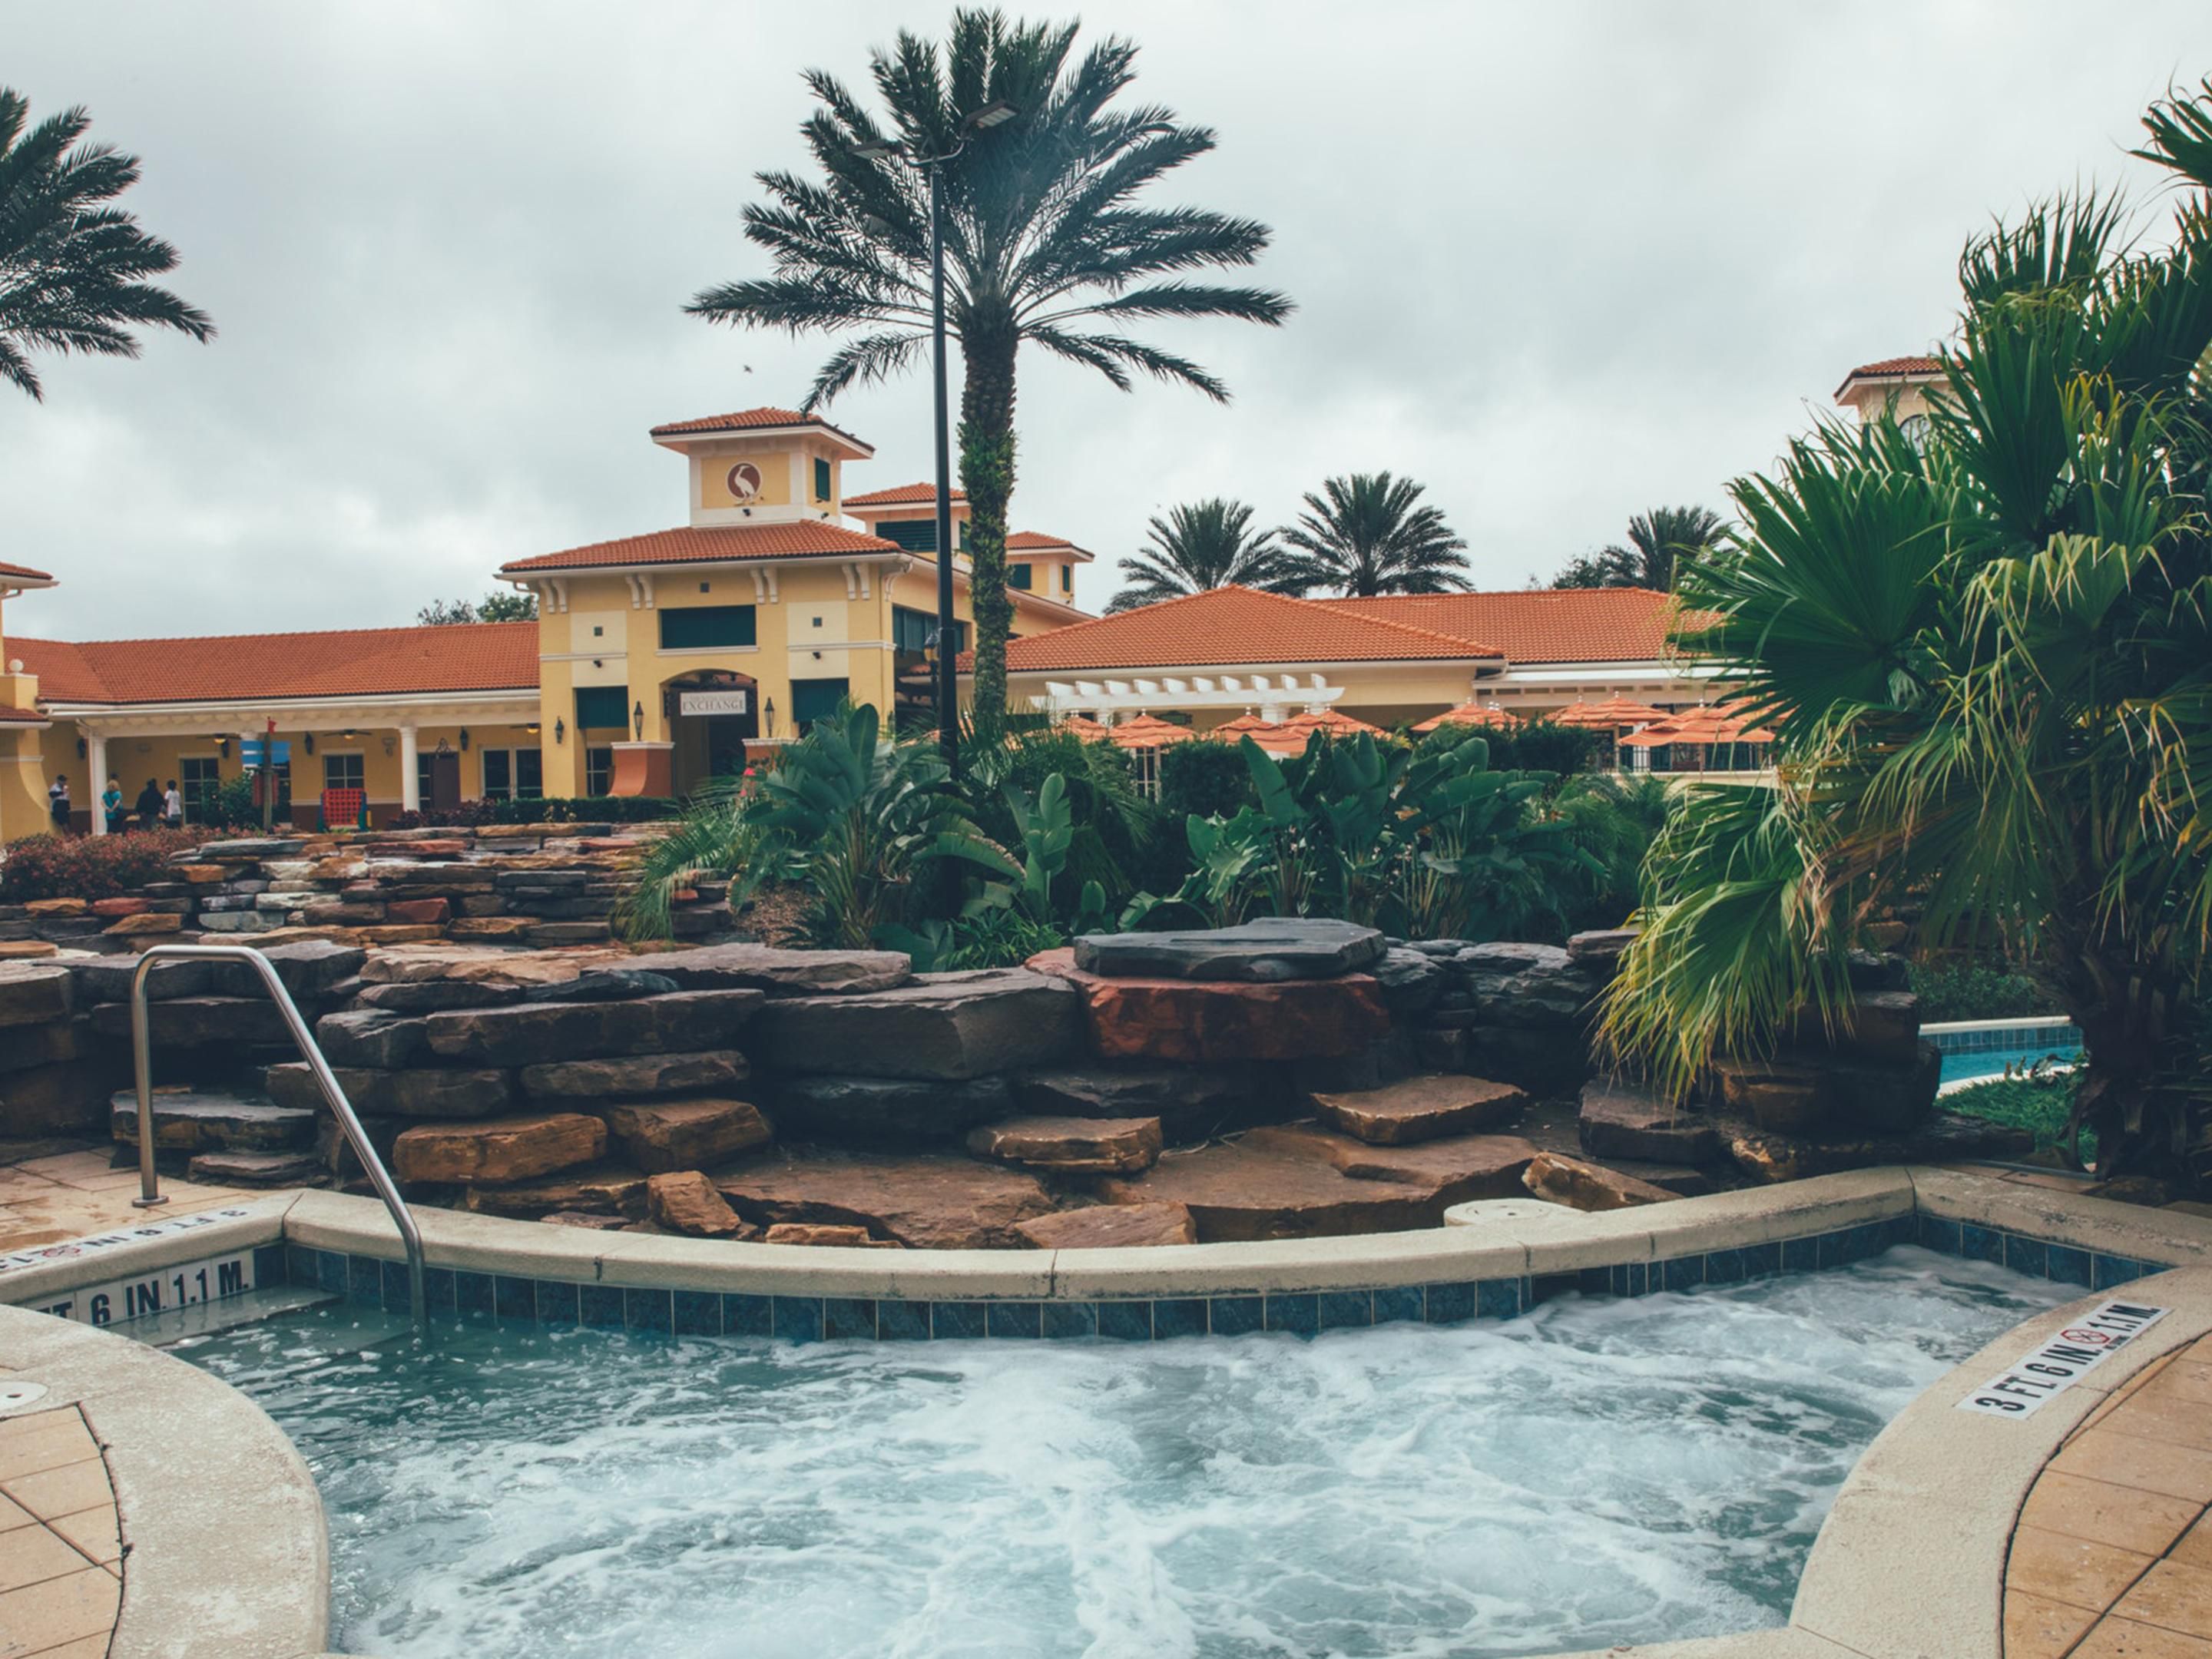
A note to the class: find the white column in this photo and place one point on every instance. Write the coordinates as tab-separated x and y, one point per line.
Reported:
95	748
410	788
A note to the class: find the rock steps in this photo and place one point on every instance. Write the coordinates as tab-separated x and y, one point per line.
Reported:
212	1121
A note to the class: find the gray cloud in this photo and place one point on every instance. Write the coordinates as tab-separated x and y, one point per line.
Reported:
1561	263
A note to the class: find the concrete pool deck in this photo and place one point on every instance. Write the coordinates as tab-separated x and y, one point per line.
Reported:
2077	1532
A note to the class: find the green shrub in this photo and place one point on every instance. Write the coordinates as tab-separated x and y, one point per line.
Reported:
1209	779
1977	990
89	866
2040	1102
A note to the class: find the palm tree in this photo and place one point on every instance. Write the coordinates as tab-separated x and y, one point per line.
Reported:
1201	545
73	269
1990	651
1368	534
1660	543
1045	246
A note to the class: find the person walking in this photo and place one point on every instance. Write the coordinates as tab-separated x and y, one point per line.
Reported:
148	807
172	806
111	806
57	803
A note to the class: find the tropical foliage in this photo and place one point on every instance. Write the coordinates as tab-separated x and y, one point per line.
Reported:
1660	543
492	608
1989	652
1371	533
73	266
1047	244
1202	546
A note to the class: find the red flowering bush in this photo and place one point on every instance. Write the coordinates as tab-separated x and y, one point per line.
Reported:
89	866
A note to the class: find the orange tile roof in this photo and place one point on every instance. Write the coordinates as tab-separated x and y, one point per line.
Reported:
1230	627
353	662
1036	540
20	716
1566	625
752	420
24	571
806	538
1890	368
902	495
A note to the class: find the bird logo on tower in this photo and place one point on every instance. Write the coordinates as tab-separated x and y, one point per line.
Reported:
744	482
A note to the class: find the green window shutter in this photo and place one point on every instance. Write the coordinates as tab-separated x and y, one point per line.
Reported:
821	480
1017	575
602	707
915	535
813	700
706	626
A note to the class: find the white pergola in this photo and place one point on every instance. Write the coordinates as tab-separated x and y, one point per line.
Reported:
1271	696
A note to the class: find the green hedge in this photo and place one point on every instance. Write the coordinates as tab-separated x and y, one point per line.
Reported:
592	809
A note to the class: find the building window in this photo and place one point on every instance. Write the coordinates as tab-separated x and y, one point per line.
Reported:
811	699
514	774
423	792
1067	579
1145	770
1017	575
706	627
915	535
821	480
912	630
598	771
604	707
199	777
344	771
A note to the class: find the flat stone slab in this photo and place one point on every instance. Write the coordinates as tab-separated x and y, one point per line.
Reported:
924	1202
1769	1157
821	1235
1420	1109
504	1150
1579	1186
782	972
33	993
529	1034
198	1022
1111	1227
661	1136
190	1119
437	996
1265	952
1619	1120
948	1026
883	1111
410	963
1071	1146
605	1189
1211	1022
370	1036
257	1168
1192	1102
634	1075
460	1092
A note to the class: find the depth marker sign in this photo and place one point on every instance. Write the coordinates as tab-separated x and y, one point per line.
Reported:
2060	1363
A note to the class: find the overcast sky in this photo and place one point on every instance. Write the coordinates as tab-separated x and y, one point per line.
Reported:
1559	262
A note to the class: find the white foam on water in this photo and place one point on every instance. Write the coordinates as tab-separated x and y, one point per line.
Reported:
1599	1472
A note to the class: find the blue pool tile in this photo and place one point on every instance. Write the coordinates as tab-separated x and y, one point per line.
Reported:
364	1280
1897	1230
1016	1319
1938	1233
1725	1267
599	1305
2112	1270
1450	1304
798	1318
398	1289
1800	1256
2067	1264
557	1303
300	1266
513	1298
902	1321
1298	1312
647	1309
438	1290
1341	1308
1846	1245
1761	1260
1498	1298
698	1312
2031	1256
1981	1243
1683	1273
1594	1282
1071	1318
471	1292
269	1265
1126	1321
747	1315
1237	1316
844	1316
1398	1302
955	1320
331	1271
1179	1316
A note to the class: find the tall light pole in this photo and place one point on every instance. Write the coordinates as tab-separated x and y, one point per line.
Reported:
948	628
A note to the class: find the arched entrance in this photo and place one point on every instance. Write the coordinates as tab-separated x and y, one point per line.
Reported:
712	713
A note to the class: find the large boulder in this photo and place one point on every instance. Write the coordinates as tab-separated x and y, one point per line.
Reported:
922	1202
109	980
1887	1097
1547	1061
1418	1109
201	1119
530	1034
1529	986
1191	1102
1412	981
1875	1026
1949	1136
658	1136
457	1093
1111	1227
1264	951
504	1149
1621	1120
781	972
31	993
371	1038
685	1201
307	968
948	1026
883	1111
634	1075
1784	1094
198	1022
1071	1146
1217	1021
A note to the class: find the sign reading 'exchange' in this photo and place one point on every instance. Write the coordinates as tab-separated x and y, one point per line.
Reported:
2062	1361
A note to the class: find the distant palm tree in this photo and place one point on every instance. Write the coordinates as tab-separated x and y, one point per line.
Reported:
1042	236
1368	534
1660	542
1201	545
71	267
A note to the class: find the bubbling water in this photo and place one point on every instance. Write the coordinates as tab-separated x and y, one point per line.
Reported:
1599	1472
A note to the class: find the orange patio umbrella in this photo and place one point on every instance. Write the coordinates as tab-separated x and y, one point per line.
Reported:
1727	722
1083	727
1471	713
1613	715
1147	731
1328	720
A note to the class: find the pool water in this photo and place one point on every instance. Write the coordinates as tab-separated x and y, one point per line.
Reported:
1598	1472
1968	1063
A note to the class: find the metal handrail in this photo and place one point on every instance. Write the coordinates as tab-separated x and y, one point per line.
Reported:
142	1057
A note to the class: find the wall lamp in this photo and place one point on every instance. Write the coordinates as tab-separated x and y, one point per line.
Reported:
465	740
560	730
637	720
767	708
309	739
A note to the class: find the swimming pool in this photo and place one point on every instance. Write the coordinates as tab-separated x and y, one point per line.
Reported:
1969	1065
1596	1472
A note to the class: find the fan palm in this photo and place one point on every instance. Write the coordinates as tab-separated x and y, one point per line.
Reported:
1045	245
1660	543
1370	534
1991	654
1201	545
73	268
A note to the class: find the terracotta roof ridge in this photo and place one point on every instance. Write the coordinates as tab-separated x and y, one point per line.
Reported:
447	631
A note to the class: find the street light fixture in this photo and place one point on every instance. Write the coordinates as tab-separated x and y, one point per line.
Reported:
996	113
